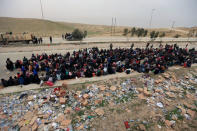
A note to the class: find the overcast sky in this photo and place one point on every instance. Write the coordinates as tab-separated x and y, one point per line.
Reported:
127	12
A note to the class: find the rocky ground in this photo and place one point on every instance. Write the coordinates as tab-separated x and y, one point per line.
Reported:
145	102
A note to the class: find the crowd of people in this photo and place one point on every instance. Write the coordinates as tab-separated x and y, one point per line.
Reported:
97	62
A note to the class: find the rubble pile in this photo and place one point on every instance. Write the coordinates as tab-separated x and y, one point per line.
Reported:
65	109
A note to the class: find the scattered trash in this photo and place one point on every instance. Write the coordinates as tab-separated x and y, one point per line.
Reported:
132	120
54	108
54	125
187	116
99	112
142	127
126	123
22	95
89	117
159	104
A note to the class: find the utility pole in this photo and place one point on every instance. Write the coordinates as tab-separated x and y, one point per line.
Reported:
112	29
173	23
42	14
151	16
41	9
114	26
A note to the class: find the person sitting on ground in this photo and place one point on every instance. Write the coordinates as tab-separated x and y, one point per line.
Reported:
17	64
25	61
42	79
36	79
15	81
10	81
4	83
21	80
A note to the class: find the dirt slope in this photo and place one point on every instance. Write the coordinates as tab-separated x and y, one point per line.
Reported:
46	27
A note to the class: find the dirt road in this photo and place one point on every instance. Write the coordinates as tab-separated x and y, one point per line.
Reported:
120	39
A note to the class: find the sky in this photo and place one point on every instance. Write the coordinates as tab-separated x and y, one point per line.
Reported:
127	12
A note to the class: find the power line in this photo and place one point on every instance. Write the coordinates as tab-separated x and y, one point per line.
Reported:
151	16
114	26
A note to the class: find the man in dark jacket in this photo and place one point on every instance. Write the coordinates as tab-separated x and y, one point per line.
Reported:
50	39
10	81
9	64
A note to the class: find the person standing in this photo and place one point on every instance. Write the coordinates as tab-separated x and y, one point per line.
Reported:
38	40
50	39
111	46
41	40
63	36
9	64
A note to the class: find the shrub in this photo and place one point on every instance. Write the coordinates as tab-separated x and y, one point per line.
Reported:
177	36
152	34
133	31
78	35
125	31
85	33
145	32
162	34
156	34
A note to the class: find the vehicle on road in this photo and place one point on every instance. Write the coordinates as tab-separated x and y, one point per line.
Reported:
9	37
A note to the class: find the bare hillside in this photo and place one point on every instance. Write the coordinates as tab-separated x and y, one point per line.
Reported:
46	27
